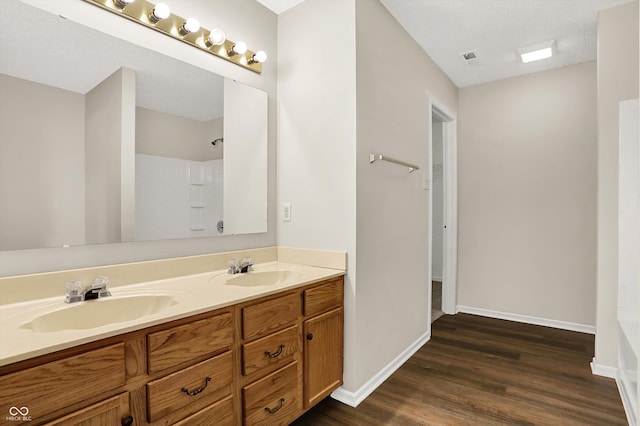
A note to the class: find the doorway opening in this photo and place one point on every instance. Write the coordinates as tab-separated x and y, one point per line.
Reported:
442	212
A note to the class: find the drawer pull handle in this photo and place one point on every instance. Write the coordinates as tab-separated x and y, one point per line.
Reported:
197	391
309	336
127	421
275	410
275	354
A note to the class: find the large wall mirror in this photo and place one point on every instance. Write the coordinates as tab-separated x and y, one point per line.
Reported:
103	141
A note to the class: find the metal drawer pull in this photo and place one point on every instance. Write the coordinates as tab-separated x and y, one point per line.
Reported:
275	354
275	410
197	391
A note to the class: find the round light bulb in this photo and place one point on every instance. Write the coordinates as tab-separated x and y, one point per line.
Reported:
216	37
161	11
260	56
240	48
191	25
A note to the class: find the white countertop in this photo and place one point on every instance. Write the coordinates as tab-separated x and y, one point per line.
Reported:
193	294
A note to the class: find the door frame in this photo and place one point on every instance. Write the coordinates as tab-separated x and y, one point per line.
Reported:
450	205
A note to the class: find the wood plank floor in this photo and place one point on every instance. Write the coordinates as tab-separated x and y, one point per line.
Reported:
483	371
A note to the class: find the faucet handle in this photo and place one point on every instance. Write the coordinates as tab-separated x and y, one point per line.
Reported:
234	266
73	290
101	285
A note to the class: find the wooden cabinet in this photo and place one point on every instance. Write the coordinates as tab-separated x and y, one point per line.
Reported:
322	356
323	340
261	362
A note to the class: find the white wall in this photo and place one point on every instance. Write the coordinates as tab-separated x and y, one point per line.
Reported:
107	143
393	118
317	137
527	203
617	80
325	135
41	176
241	20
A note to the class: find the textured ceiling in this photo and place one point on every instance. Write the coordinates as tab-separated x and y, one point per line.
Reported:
495	29
76	58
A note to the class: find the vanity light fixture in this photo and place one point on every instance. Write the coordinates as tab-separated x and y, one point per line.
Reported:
240	48
537	51
159	12
160	18
216	38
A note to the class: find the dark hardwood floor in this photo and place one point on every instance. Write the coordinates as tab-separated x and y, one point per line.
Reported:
483	371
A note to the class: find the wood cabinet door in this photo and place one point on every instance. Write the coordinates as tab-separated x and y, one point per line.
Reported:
108	412
323	353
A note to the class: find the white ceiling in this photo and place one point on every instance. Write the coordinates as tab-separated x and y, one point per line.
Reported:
495	29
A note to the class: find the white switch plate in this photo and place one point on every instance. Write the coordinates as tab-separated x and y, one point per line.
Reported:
425	181
286	212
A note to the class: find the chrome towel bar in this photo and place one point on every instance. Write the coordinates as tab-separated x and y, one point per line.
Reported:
373	157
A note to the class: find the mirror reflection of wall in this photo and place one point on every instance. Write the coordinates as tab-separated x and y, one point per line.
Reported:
179	175
61	181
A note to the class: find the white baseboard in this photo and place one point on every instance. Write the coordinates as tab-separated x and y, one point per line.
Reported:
353	399
603	370
582	328
626	401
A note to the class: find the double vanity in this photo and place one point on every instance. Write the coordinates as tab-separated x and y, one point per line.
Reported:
260	347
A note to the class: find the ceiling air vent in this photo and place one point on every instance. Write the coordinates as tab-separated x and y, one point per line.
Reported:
470	57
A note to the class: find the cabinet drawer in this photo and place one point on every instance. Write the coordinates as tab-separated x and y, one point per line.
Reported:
273	400
58	384
108	412
219	414
263	318
324	297
275	349
176	345
207	381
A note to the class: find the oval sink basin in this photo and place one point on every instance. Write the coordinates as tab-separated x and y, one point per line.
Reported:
265	278
96	313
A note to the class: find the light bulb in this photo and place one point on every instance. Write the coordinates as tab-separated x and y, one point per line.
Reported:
240	48
123	3
216	37
160	11
191	25
259	56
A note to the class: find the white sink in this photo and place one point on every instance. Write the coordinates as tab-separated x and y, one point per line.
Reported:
99	312
265	278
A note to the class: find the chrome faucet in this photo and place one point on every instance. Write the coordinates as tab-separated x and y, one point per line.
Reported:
240	267
97	290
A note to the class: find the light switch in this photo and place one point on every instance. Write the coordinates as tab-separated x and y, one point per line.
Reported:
286	212
425	181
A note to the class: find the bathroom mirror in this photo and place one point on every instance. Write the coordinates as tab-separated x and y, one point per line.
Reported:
102	141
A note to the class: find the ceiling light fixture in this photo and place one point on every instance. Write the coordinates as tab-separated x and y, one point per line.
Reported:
537	51
160	18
